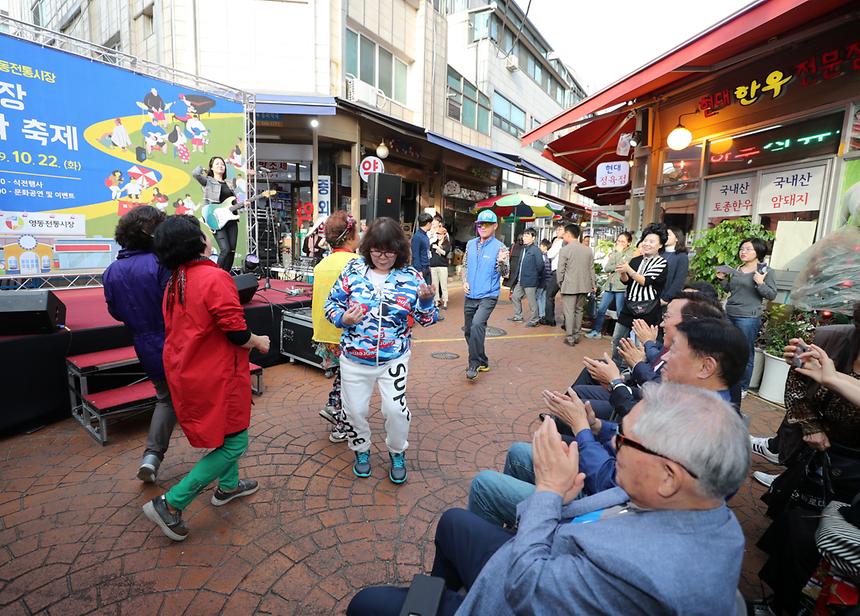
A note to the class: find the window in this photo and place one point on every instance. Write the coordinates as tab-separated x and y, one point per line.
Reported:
386	72
375	65
367	61
539	143
484	25
351	53
37	13
508	116
466	104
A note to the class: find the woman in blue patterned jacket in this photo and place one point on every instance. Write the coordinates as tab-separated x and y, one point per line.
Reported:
375	301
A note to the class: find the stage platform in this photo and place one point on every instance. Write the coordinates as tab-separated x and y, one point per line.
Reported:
33	367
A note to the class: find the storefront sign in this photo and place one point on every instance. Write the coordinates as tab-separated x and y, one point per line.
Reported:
796	190
324	190
370	164
613	174
41	224
451	188
729	197
467	194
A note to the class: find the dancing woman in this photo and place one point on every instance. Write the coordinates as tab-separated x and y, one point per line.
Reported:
206	362
374	300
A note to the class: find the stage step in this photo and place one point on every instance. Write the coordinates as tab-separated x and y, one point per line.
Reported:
102	360
256	379
95	410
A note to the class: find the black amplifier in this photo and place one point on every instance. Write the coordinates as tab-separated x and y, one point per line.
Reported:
297	332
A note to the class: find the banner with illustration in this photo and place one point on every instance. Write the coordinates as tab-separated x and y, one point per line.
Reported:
82	143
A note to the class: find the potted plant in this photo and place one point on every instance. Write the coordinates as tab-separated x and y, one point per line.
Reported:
782	324
719	246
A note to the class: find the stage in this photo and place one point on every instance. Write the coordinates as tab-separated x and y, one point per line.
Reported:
34	373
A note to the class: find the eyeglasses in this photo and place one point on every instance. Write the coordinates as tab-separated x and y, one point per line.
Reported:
621	440
389	254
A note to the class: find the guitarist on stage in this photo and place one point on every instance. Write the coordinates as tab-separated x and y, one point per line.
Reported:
216	191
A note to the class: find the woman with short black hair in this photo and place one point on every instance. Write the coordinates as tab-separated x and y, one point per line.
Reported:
748	286
678	263
374	301
206	362
134	288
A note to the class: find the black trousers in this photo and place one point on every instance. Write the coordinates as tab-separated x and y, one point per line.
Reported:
227	237
464	544
551	291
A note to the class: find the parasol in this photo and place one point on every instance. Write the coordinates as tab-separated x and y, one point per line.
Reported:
517	206
146	177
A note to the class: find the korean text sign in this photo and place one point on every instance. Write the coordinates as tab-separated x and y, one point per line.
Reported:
613	174
800	189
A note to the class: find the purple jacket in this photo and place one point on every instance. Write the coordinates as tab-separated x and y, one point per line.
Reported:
134	287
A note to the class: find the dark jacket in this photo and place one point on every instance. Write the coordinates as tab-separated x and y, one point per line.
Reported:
676	274
530	267
514	265
134	287
547	270
420	251
437	260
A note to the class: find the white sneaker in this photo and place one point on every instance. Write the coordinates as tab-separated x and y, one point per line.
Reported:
759	447
764	479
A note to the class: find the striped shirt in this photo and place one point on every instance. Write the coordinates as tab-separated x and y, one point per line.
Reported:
653	269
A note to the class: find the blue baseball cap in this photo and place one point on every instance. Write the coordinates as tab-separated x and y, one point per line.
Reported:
487	216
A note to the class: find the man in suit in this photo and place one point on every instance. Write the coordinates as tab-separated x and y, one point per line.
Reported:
421	246
575	279
663	542
529	276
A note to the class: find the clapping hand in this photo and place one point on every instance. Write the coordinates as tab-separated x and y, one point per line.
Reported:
604	371
569	408
354	314
503	255
629	352
556	463
426	291
644	332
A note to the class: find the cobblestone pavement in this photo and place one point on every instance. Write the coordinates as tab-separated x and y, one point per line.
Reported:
73	539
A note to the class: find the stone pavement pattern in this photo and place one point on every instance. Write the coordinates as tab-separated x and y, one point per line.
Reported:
73	539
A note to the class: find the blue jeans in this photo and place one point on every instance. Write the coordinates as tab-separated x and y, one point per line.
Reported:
494	496
606	301
749	326
540	298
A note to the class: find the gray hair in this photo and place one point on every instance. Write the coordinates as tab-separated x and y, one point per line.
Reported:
698	429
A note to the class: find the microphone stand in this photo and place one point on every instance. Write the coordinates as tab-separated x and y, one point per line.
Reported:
270	227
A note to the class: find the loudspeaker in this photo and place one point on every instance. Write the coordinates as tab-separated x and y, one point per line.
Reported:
383	196
247	285
30	312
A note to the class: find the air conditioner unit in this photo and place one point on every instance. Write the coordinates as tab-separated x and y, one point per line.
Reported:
359	92
512	63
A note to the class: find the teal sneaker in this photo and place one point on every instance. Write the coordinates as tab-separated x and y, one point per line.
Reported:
398	467
361	468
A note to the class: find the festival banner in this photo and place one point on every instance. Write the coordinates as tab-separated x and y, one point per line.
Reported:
83	142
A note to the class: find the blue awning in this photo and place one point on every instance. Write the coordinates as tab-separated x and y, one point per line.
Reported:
482	154
286	104
524	165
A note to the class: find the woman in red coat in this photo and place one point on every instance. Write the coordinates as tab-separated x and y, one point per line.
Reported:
206	365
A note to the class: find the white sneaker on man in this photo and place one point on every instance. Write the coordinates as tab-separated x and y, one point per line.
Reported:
759	447
764	479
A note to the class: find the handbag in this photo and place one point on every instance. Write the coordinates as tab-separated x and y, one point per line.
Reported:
838	540
643	307
805	483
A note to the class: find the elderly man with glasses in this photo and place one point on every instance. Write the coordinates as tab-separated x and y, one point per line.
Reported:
663	542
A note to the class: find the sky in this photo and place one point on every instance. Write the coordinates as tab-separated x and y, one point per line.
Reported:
604	40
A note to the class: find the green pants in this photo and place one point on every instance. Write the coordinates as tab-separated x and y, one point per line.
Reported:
221	464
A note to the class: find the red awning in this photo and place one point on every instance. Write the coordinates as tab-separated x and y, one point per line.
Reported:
582	149
747	29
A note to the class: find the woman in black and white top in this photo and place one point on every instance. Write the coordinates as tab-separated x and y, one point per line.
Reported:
645	277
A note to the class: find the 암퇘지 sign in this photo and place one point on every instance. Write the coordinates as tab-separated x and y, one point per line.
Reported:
794	190
614	174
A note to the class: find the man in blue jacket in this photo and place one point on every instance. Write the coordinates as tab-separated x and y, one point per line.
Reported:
421	246
663	542
484	265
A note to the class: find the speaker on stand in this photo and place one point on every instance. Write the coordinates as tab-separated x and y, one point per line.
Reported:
383	196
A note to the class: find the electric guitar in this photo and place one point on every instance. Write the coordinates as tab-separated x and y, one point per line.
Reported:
219	214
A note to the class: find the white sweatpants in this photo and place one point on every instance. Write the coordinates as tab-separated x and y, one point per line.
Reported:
357	381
